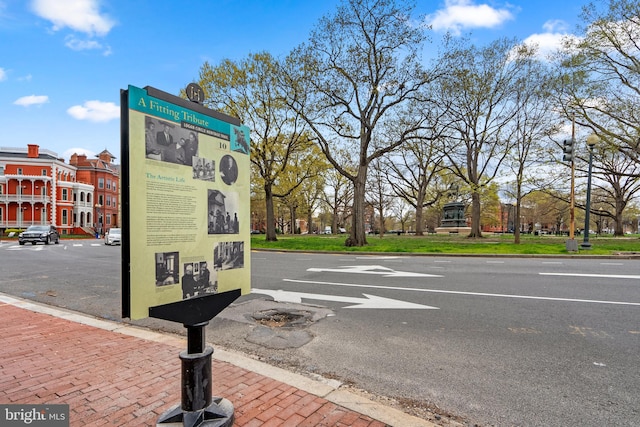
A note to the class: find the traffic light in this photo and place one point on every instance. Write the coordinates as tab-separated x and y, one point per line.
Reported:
567	149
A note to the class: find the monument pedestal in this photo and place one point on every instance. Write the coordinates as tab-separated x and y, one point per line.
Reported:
453	230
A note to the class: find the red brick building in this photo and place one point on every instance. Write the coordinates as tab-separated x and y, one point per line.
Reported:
104	175
38	187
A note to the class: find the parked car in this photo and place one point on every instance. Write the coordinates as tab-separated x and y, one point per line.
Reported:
39	233
113	237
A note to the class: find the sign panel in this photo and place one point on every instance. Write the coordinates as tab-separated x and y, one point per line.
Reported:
185	200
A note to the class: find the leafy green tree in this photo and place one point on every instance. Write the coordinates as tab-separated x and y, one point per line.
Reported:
247	89
360	67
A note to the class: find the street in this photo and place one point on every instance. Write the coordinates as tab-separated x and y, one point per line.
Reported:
491	340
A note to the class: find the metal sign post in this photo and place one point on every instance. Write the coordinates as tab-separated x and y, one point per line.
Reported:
185	230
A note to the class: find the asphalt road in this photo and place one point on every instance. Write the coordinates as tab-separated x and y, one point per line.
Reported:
495	341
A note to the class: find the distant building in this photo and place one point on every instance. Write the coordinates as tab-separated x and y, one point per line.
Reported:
105	177
38	187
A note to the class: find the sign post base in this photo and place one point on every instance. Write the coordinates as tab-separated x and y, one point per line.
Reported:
219	413
198	408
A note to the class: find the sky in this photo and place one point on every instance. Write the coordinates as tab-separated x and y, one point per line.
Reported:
64	62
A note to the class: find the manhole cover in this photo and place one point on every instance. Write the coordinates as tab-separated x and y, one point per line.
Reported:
280	319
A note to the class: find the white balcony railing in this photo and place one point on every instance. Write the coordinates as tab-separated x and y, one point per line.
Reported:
24	198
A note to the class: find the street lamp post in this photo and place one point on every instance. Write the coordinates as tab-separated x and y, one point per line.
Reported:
592	140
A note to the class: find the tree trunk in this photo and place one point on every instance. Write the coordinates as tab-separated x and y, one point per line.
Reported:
381	220
516	228
310	222
294	216
271	223
475	215
419	216
516	223
619	227
357	236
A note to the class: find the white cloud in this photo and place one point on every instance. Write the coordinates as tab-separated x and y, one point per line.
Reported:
78	15
3	74
460	14
27	101
75	43
95	111
550	41
71	151
555	26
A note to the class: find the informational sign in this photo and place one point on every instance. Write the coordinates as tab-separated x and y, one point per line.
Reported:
185	201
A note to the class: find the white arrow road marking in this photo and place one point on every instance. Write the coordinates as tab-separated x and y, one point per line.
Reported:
604	276
370	301
372	269
482	294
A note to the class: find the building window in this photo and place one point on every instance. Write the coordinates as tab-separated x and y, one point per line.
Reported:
44	172
64	217
100	182
43	216
1	170
108	200
19	171
100	200
65	195
108	219
1	189
108	184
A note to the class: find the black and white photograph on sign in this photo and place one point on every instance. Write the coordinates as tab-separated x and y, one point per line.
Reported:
204	169
207	279
167	142
228	169
167	265
239	140
228	255
222	212
197	280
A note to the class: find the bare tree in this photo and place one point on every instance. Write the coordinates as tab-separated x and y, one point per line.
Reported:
602	84
617	185
532	125
413	174
478	94
359	68
378	193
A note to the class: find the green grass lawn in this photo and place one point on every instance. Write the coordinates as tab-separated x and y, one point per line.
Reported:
446	244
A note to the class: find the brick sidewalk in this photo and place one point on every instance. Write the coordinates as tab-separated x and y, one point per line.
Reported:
108	378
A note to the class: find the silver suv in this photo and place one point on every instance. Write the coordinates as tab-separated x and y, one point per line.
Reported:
39	233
